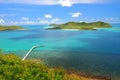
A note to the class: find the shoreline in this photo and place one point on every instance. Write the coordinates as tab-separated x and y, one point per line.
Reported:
70	71
13	60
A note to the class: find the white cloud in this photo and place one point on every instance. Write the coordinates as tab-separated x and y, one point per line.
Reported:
2	21
3	15
43	21
25	18
32	22
48	21
65	3
18	9
48	16
36	2
89	1
77	14
93	19
55	20
27	22
14	22
110	19
81	21
55	2
38	18
107	19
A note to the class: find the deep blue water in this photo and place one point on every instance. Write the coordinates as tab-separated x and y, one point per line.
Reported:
91	52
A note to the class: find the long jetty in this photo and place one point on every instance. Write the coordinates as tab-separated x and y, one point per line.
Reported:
30	51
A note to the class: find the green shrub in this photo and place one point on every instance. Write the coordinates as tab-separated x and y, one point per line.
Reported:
13	68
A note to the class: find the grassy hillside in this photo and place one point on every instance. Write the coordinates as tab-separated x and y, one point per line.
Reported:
13	68
81	25
3	28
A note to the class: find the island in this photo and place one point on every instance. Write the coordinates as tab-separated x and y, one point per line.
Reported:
4	28
80	25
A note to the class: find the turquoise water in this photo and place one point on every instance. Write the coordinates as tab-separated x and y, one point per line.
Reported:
91	52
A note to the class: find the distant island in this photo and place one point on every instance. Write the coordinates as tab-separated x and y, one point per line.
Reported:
4	28
80	25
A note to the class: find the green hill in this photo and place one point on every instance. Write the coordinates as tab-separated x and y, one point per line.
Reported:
81	25
3	28
13	68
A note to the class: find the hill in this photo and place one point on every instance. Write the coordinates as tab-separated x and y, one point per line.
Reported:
13	68
81	25
3	28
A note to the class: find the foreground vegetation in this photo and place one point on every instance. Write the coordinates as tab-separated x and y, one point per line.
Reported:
81	25
13	68
3	28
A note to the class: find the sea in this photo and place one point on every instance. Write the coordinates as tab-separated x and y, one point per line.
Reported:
91	52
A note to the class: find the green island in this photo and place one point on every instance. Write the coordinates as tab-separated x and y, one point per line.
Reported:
13	68
4	28
80	25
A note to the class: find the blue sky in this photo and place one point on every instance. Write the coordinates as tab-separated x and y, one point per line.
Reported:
58	11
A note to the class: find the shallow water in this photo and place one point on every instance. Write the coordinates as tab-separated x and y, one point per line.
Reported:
91	52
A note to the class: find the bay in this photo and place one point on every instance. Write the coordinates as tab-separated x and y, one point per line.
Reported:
91	52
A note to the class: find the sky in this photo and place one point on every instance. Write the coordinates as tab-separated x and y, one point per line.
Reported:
15	12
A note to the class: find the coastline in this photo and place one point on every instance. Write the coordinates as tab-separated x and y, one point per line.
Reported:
79	73
24	39
66	74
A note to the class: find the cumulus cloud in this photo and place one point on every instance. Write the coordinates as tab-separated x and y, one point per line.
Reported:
27	22
48	16
77	14
14	22
43	21
112	20
25	18
109	19
65	3
32	22
2	21
55	20
81	21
